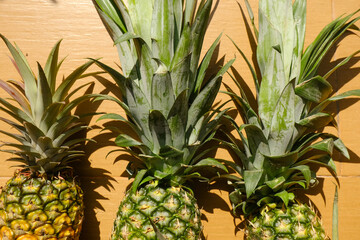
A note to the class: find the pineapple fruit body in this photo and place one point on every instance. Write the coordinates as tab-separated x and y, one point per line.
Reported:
283	133
167	95
37	208
295	222
173	211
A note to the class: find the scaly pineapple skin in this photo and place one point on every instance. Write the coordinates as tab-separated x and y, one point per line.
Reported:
33	208
173	210
297	221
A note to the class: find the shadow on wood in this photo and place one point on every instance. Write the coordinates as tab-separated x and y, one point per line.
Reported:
92	178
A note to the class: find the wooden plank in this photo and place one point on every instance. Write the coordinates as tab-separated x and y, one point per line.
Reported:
37	25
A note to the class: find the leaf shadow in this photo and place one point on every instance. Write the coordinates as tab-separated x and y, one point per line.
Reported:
207	200
92	179
213	11
214	65
354	158
252	41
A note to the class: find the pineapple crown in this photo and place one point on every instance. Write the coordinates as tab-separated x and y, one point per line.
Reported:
43	116
285	134
166	94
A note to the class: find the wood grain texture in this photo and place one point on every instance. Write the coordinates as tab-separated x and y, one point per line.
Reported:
35	25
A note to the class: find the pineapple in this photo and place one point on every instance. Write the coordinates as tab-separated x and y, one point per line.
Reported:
42	200
283	136
167	97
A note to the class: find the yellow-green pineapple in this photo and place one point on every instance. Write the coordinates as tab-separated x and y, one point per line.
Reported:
167	97
42	201
282	135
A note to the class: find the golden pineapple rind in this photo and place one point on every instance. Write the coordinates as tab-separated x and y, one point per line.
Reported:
173	211
56	217
297	221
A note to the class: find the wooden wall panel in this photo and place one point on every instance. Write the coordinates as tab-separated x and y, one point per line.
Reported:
35	25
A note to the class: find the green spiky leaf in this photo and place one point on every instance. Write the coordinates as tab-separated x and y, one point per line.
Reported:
286	196
124	140
316	89
251	179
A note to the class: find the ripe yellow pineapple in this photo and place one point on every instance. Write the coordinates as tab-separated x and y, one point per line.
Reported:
283	134
43	199
167	97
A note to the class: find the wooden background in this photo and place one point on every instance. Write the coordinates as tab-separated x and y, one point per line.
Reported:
35	25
